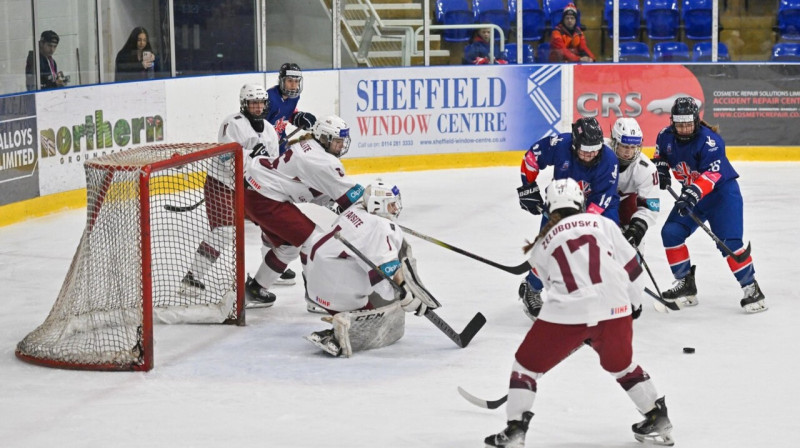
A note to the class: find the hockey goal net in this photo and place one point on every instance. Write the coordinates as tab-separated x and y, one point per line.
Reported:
148	211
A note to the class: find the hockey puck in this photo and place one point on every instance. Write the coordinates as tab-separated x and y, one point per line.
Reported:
688	349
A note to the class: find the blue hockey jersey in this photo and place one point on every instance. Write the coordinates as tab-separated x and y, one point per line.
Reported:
599	181
281	112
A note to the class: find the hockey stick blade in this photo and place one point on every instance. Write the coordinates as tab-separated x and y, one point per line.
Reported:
481	403
739	258
460	339
671	305
465	337
516	270
181	209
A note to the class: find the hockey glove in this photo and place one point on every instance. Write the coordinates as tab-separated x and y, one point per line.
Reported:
664	179
304	120
688	200
530	198
412	304
636	311
634	232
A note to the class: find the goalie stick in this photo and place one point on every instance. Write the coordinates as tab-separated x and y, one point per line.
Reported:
461	339
741	258
188	208
516	270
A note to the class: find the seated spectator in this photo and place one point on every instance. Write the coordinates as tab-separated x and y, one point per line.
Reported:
477	51
136	60
567	42
50	77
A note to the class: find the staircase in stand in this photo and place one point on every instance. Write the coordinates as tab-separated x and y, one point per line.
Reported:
378	41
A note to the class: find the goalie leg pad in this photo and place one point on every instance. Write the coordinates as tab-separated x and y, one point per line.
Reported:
367	329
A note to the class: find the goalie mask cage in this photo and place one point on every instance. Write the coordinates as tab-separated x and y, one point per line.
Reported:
134	252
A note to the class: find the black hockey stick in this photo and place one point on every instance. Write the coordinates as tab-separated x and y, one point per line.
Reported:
741	258
461	339
185	208
659	298
188	208
494	404
516	270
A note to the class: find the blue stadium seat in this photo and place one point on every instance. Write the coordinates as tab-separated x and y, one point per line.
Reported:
629	19
455	12
670	52
789	19
661	19
785	52
527	54
533	18
696	16
554	9
492	11
634	52
543	53
702	52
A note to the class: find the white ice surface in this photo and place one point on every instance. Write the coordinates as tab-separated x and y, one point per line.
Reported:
264	385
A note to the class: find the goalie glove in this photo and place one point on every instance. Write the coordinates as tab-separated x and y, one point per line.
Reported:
416	298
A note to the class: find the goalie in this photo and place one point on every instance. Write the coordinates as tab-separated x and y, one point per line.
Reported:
342	284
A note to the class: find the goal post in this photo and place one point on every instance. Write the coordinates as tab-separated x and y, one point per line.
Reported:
152	212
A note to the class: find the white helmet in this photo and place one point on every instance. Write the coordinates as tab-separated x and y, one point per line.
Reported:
330	128
252	92
379	196
626	131
564	193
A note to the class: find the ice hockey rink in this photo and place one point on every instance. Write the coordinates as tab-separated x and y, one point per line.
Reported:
263	385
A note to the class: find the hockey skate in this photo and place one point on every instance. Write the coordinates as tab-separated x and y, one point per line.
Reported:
656	428
287	278
326	341
684	293
514	434
257	297
190	286
531	299
753	301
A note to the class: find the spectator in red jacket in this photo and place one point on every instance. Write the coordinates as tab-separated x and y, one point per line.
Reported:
567	42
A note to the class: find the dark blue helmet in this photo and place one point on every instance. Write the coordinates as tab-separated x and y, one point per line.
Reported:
587	135
685	110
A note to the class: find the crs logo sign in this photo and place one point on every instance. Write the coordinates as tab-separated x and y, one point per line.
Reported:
591	104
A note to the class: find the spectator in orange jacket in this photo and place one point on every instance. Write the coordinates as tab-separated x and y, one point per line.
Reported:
567	42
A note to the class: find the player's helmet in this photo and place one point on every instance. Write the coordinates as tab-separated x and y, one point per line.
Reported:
587	135
379	196
252	92
290	70
685	110
626	131
330	128
564	193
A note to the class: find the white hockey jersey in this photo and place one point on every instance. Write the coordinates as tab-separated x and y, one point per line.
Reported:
589	270
339	280
304	173
640	178
236	128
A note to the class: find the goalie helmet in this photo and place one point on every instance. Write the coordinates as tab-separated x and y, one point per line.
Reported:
564	193
626	131
290	71
252	92
383	199
587	136
685	110
330	132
